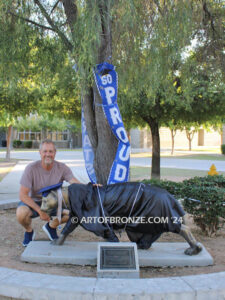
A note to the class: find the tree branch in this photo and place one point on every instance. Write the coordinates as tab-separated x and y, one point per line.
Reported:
158	6
54	7
70	9
209	16
54	27
30	21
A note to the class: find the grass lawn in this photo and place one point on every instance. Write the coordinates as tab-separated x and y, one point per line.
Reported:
202	156
139	173
6	167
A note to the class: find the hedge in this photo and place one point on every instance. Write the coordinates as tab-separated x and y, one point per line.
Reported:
203	198
17	143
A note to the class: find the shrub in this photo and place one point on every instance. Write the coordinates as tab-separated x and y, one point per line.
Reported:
216	180
17	143
28	144
223	149
172	187
204	199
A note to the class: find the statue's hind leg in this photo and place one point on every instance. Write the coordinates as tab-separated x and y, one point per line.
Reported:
147	240
195	247
143	240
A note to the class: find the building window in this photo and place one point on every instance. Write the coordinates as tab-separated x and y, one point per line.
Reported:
36	136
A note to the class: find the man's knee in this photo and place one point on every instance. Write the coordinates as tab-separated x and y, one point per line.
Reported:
22	213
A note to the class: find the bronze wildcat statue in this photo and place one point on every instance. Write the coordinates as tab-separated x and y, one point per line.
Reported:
129	201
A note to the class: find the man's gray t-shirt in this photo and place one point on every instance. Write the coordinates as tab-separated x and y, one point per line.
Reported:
36	178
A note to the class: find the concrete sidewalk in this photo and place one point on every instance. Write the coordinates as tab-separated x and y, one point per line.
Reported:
27	285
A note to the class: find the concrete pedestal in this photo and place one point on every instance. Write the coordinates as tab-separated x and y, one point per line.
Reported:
85	253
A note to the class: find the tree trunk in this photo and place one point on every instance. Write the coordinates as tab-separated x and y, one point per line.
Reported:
190	136
103	141
189	139
154	126
189	142
173	133
107	143
9	133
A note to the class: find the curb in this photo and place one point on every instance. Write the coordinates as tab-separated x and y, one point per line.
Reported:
27	285
7	204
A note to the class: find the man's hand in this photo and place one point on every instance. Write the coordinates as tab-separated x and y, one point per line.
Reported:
44	216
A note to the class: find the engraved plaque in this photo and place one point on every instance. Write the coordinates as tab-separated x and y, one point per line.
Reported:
117	258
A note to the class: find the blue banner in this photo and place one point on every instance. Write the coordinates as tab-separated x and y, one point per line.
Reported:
107	83
87	150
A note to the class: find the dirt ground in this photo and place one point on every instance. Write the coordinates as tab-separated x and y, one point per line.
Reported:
11	248
11	237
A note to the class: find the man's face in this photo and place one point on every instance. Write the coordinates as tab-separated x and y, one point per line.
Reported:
47	153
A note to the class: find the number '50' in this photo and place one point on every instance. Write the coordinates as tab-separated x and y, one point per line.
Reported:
106	79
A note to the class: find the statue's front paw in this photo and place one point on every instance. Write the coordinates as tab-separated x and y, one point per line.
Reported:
57	242
112	238
193	250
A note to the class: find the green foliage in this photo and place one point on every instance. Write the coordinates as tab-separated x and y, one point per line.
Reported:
208	212
204	199
223	149
172	187
45	122
207	181
162	80
17	143
27	144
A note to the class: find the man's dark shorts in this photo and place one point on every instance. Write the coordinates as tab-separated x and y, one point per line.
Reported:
34	213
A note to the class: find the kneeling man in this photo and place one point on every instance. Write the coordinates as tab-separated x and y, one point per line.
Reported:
36	176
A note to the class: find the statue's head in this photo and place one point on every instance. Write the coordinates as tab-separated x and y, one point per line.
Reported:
50	202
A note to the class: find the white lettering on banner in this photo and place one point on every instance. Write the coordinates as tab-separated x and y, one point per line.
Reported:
120	172
121	131
125	156
86	153
115	115
86	141
109	93
84	128
106	79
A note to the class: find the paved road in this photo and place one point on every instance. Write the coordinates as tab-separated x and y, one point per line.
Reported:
76	158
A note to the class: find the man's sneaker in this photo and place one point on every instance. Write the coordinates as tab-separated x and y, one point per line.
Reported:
28	237
51	232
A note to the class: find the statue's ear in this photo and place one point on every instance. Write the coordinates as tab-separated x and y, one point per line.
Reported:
55	194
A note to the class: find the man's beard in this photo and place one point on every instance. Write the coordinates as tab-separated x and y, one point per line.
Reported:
48	161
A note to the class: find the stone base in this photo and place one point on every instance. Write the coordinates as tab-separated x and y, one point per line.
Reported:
85	253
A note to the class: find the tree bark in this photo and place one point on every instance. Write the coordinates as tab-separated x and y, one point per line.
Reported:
154	126
173	133
190	135
9	134
189	144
